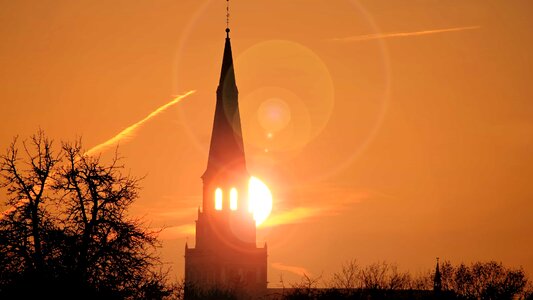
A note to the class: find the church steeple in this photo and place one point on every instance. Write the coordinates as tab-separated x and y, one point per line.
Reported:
437	279
226	153
225	250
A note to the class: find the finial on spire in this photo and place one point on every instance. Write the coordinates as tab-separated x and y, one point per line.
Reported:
227	18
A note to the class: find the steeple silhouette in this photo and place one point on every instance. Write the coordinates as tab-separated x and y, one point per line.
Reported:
226	152
225	255
437	279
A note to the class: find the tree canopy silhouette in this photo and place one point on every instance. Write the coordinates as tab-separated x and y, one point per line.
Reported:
66	233
478	281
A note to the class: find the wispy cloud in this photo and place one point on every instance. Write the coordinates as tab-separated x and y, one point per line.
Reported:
293	216
129	132
125	134
375	36
331	201
300	271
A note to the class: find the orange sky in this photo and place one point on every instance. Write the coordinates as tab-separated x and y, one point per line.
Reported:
404	128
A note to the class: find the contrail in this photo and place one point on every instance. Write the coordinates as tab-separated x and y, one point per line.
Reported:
128	133
375	36
124	134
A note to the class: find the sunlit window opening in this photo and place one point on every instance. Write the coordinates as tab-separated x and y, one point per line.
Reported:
218	199
233	196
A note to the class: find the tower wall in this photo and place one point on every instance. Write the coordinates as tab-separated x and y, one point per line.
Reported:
222	259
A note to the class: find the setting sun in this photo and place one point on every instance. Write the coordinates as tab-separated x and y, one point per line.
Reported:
385	133
260	200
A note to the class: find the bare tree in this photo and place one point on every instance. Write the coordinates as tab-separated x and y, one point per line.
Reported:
384	276
527	293
483	280
349	277
307	288
398	280
490	280
110	250
24	224
67	230
422	281
447	275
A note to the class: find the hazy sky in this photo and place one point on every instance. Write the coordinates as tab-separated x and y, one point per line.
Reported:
400	130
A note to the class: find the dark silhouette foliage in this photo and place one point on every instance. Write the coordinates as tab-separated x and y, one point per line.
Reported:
66	233
382	280
485	280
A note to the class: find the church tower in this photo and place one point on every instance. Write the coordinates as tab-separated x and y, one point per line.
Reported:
226	257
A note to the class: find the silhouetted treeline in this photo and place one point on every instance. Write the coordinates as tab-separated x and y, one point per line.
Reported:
480	280
65	233
488	280
382	280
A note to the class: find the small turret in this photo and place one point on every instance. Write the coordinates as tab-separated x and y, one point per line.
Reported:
437	279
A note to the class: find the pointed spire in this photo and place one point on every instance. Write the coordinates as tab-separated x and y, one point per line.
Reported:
226	152
437	280
227	74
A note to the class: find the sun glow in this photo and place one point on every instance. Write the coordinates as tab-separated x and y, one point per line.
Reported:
260	200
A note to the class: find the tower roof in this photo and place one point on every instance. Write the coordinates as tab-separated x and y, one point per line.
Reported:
226	152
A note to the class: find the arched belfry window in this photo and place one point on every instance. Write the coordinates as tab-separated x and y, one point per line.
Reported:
233	197
218	199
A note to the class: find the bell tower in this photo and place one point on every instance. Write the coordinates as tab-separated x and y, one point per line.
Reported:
225	257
